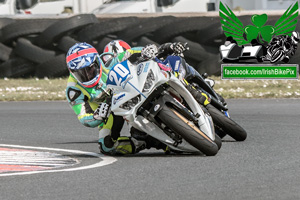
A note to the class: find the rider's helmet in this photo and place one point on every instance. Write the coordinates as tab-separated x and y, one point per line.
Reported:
84	64
295	37
116	47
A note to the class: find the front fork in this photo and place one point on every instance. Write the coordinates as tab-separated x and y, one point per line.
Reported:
166	99
154	105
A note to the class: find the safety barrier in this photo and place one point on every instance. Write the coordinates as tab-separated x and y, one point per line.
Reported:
37	47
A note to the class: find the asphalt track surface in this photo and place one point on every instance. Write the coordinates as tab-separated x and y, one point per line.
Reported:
265	166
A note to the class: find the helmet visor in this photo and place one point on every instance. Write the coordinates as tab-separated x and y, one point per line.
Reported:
107	58
88	73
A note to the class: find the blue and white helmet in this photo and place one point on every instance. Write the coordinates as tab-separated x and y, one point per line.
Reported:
84	64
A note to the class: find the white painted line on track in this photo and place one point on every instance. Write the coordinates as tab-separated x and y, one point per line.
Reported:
25	158
106	160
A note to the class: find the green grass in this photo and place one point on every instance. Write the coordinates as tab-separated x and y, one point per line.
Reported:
32	89
258	88
54	89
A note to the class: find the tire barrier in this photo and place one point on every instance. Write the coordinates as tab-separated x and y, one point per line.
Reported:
37	47
24	28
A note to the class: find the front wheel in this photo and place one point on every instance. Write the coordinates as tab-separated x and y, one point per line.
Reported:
188	131
228	126
218	141
275	57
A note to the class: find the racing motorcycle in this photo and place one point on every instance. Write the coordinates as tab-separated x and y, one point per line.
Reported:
280	49
151	99
217	108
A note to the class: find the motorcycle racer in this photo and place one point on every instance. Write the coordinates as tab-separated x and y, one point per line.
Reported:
285	44
87	95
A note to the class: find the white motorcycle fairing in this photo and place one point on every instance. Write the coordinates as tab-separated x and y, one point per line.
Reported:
131	86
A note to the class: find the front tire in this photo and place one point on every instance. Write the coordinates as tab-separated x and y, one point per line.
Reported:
229	126
218	141
188	131
276	56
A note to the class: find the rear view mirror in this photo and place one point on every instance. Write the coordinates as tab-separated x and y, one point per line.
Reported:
25	4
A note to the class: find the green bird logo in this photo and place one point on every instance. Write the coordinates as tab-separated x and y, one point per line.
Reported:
232	26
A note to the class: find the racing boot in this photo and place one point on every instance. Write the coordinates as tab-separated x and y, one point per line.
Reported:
200	97
120	146
150	141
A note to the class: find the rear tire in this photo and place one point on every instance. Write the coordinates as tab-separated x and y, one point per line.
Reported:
188	131
226	124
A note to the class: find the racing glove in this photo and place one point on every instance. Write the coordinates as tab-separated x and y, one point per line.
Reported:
149	52
178	48
167	49
102	112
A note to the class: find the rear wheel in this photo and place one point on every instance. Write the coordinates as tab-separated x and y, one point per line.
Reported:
226	124
188	131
